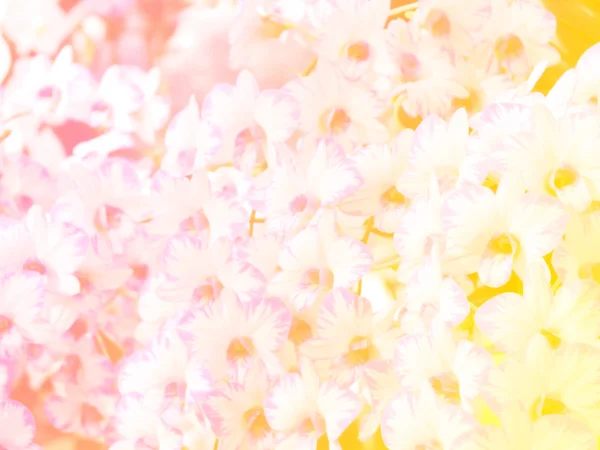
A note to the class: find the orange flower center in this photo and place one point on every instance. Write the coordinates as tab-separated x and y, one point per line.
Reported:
90	415
34	265
336	121
5	324
359	51
315	425
438	23
240	349
318	277
300	331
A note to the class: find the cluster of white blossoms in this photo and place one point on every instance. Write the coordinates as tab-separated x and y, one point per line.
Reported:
374	221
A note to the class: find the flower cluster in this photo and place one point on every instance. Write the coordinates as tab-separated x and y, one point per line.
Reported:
363	215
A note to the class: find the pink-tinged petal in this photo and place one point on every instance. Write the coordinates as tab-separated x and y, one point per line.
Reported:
278	112
339	408
349	260
180	253
495	269
471	366
331	174
180	132
588	73
454	305
285	406
17	426
199	381
342	310
303	297
413	352
302	251
507	322
398	420
271	320
462	206
217	103
539	221
426	136
120	175
243	278
136	373
69	253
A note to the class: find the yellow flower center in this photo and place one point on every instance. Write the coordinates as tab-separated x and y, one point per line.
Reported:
360	351
509	47
564	177
393	196
256	422
552	338
503	244
447	386
545	405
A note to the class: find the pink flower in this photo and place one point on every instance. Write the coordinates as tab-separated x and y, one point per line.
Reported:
140	425
318	259
191	142
77	410
351	336
353	36
424	420
251	122
189	205
199	272
104	203
438	149
21	311
332	106
17	426
455	369
236	412
228	335
504	230
427	78
302	408
164	372
430	295
299	189
380	167
518	36
127	101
